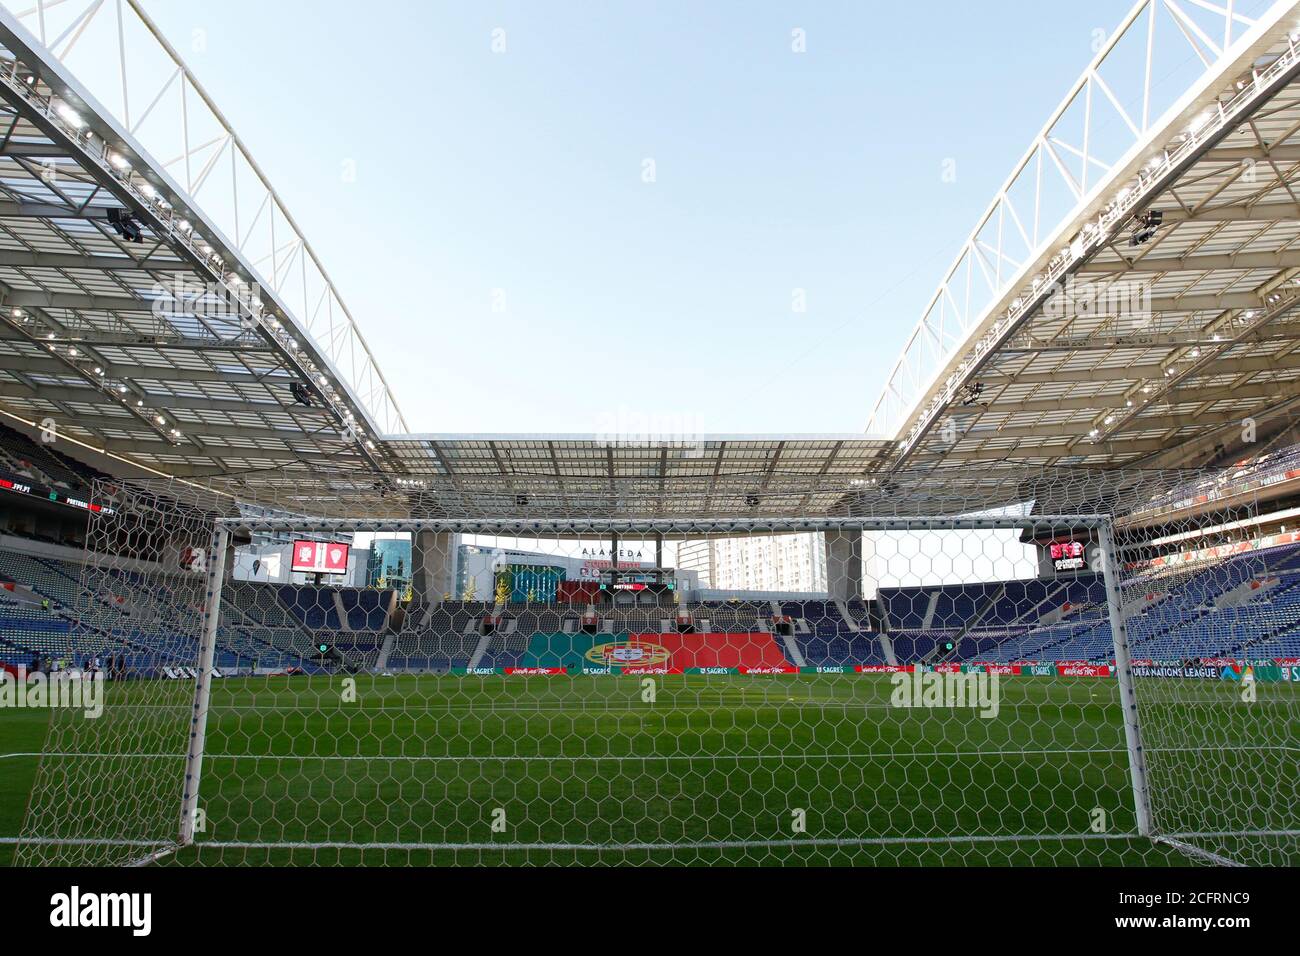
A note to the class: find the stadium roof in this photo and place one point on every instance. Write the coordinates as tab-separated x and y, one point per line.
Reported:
151	341
1143	340
701	475
178	354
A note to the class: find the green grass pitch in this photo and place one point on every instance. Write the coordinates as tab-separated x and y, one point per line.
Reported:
788	769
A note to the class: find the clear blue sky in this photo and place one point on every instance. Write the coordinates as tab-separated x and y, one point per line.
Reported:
522	172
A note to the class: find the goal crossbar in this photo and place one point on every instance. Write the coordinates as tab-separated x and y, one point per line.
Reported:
676	527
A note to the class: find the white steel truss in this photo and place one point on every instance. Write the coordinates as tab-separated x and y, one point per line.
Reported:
132	75
1160	71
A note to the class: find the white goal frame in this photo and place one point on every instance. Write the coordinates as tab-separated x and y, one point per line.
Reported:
1095	523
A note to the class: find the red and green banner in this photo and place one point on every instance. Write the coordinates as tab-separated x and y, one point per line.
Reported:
756	654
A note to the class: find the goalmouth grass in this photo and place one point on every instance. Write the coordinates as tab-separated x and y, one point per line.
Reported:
680	769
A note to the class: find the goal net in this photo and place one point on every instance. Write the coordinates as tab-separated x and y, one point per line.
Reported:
1100	673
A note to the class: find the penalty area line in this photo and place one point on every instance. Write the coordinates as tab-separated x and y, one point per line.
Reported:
660	847
627	758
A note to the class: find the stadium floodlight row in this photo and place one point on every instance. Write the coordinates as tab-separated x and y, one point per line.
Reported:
1053	628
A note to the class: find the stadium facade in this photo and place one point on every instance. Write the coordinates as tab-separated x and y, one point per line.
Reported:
783	563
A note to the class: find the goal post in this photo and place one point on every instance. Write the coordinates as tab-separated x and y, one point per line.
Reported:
957	686
1210	610
216	576
1128	702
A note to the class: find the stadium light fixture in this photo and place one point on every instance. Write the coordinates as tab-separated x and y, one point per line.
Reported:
125	225
301	394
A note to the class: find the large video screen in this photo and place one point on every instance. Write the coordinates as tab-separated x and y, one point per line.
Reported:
1067	556
320	557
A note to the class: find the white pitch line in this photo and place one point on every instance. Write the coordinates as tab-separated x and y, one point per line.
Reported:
465	758
651	847
670	847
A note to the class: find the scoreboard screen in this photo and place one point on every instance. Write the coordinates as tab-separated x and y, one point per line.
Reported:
650	579
636	581
320	557
1067	555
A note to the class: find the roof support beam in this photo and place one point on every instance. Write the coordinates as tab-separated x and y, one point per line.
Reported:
271	378
1078	431
1138	340
1282	153
31	299
20	259
1178	396
1113	448
86	394
246	343
40	210
1138	373
1284	259
1236	212
129	446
